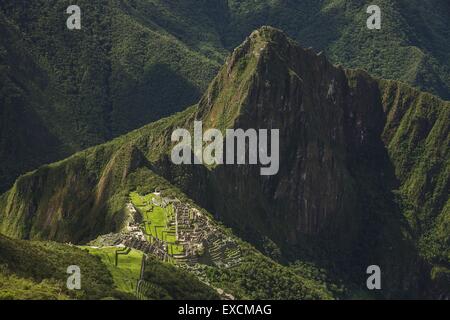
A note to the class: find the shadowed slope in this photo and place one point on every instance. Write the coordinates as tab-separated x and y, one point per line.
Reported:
332	201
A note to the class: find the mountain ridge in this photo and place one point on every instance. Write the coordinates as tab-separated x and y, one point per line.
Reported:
365	222
149	59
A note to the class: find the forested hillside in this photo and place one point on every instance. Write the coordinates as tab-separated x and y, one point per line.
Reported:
135	61
363	175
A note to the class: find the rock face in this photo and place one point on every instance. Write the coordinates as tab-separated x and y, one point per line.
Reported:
326	125
333	198
347	141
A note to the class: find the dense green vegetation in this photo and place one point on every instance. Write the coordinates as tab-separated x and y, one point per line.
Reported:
15	288
135	61
63	91
257	277
128	269
171	283
38	270
162	280
106	175
417	134
131	61
32	270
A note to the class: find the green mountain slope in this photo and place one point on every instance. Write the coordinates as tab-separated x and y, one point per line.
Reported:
164	280
67	90
43	265
271	280
418	139
36	270
363	175
135	61
412	45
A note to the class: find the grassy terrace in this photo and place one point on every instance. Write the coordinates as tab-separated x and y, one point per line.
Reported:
127	272
157	219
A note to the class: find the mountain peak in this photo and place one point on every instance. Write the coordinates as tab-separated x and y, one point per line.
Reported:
262	63
260	40
345	141
268	34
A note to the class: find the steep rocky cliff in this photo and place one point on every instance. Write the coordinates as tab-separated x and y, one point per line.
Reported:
135	61
347	142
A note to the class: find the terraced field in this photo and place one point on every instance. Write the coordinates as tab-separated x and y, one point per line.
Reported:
127	272
158	220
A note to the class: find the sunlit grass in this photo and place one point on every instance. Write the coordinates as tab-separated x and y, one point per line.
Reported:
156	219
127	272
